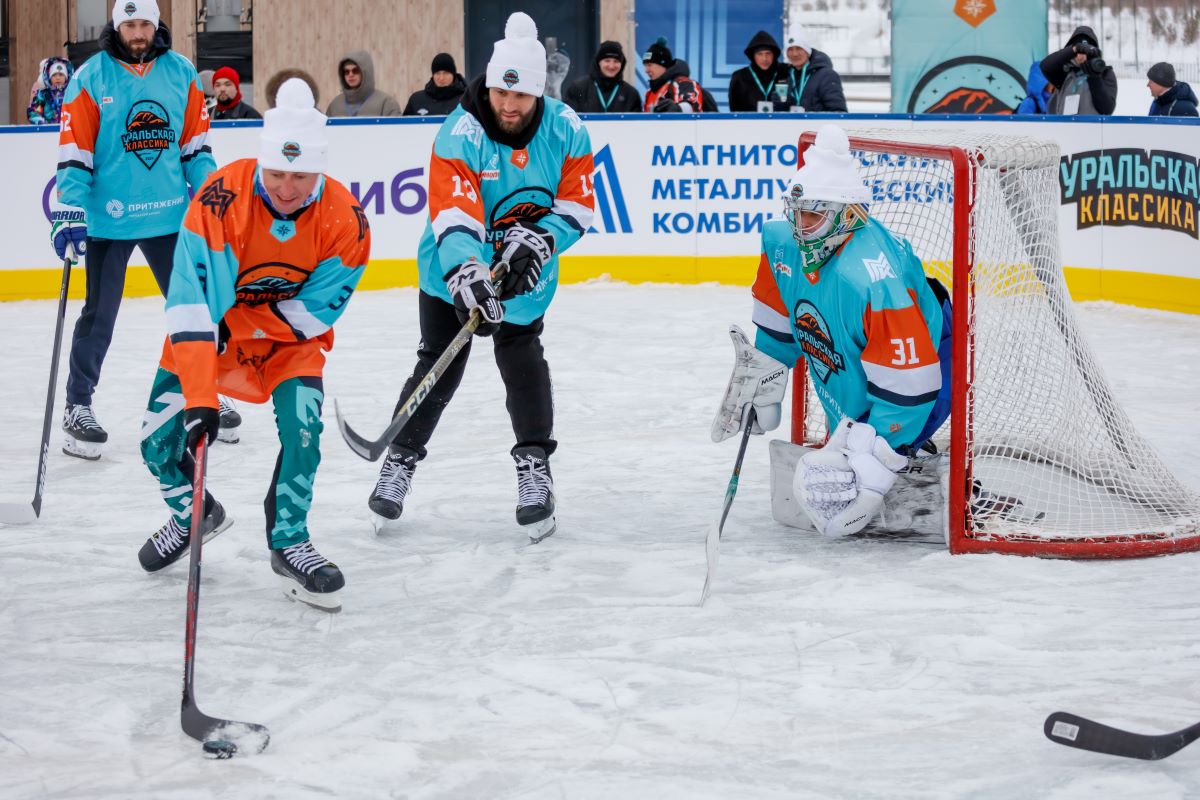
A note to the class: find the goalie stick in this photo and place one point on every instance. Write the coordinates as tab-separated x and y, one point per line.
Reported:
221	737
20	512
712	542
1075	731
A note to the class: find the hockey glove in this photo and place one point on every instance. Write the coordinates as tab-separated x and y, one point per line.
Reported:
525	250
201	423
757	380
68	231
470	285
666	105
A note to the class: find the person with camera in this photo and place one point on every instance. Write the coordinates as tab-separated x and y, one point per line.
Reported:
1083	82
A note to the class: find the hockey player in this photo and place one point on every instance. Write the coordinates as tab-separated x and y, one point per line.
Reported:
509	181
836	287
269	255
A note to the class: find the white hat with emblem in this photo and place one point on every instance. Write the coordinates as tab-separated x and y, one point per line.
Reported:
293	133
518	60
125	10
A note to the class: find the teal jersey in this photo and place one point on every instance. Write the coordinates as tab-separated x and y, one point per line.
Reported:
479	186
868	324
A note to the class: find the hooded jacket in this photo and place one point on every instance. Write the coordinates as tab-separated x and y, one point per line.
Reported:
1178	101
675	91
47	102
1093	83
589	94
436	100
1037	92
816	86
365	100
750	85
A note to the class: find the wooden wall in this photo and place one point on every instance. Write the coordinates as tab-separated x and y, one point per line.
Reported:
616	26
36	30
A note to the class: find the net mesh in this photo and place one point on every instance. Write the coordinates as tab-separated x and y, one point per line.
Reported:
1045	427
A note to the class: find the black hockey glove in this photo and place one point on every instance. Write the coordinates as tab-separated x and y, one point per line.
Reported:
471	287
199	423
666	105
525	250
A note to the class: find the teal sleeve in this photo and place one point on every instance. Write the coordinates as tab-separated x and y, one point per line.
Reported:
574	201
201	290
326	293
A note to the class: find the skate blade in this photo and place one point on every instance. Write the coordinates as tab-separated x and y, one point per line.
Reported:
382	524
89	451
543	529
217	531
229	435
325	601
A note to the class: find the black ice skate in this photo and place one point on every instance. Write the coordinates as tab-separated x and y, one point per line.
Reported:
535	493
985	504
85	437
171	542
308	576
395	479
231	422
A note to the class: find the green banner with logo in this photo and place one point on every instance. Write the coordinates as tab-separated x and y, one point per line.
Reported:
964	56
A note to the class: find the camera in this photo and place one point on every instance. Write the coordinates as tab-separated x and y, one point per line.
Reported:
1088	49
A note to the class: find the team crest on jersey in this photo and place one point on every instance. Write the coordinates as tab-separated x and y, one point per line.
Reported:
148	132
524	205
879	268
511	78
815	340
216	198
469	127
283	229
291	151
520	158
270	283
571	117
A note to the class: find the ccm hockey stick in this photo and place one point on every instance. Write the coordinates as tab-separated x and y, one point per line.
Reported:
20	512
712	543
221	737
1085	734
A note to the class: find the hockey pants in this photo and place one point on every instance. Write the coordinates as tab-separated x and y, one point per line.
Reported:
298	420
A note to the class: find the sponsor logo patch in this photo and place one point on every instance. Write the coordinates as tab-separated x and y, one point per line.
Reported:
115	208
511	78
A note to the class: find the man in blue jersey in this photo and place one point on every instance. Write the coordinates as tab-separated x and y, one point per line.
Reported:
134	136
509	181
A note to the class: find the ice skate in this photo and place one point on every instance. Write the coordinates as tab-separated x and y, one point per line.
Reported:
85	438
395	480
308	576
171	541
535	493
231	422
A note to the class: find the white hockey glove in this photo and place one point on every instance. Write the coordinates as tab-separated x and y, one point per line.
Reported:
471	287
757	380
841	486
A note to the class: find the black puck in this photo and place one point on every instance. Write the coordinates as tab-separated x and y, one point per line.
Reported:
219	748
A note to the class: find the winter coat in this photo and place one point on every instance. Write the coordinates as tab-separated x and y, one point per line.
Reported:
1178	101
750	85
675	91
436	100
1093	82
239	110
816	86
366	100
587	94
1037	92
46	105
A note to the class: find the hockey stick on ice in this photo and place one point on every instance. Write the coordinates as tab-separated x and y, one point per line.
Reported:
1085	734
221	737
20	512
712	543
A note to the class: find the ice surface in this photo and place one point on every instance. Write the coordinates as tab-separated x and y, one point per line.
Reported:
467	663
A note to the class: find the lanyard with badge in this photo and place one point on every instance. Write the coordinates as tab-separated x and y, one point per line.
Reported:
796	90
600	93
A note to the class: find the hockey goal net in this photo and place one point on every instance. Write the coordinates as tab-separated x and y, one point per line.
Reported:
1033	416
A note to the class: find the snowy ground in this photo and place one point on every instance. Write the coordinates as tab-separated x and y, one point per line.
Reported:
468	664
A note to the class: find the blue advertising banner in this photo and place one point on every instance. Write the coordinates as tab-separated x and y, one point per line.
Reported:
964	56
710	35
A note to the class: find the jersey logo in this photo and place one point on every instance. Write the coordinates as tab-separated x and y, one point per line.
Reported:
468	127
571	117
520	158
815	340
361	217
878	268
524	205
283	229
216	198
148	132
270	283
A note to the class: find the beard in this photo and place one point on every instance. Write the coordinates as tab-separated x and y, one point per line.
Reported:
138	47
517	125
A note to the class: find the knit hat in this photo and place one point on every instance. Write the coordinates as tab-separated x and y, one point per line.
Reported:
59	67
293	135
1163	74
659	53
443	62
611	50
796	36
518	61
125	10
829	171
229	74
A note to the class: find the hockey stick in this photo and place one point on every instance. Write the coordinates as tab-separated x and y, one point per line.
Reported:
712	543
19	512
1085	734
221	737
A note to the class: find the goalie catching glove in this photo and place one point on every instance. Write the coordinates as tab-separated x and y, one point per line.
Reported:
471	287
757	380
841	486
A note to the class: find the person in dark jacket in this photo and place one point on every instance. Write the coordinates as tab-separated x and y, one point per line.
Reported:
604	90
442	93
755	83
1083	82
1038	92
813	84
1172	98
671	86
227	89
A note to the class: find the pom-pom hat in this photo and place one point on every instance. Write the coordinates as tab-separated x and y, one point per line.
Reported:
125	10
518	61
293	133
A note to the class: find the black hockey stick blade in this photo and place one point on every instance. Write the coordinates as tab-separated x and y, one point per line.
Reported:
1085	734
712	542
362	446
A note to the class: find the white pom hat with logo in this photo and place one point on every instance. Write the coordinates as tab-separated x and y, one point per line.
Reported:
830	173
518	61
125	10
797	36
293	135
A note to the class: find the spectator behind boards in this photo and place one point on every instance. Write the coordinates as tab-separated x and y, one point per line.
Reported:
1038	92
755	83
359	97
813	85
442	93
45	107
1172	98
604	89
1083	82
671	88
227	88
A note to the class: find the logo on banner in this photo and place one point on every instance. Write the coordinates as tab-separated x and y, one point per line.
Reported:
974	12
815	340
611	211
148	132
968	85
1130	186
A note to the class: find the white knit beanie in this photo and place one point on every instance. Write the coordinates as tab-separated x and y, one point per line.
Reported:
125	10
518	60
293	133
829	171
797	36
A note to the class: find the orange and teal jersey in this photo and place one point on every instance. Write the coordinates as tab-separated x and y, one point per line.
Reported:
873	332
132	138
262	288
